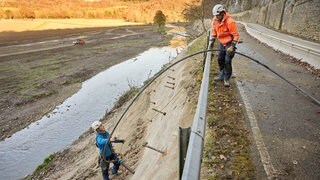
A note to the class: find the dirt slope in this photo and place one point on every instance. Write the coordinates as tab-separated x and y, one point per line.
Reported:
141	124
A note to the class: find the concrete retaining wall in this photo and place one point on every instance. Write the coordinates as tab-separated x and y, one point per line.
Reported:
298	17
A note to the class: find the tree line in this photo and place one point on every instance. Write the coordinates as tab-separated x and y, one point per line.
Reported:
138	14
130	10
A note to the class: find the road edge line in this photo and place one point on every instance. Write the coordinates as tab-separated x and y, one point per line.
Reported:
264	155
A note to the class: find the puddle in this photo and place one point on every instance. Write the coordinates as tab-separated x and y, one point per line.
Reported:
20	154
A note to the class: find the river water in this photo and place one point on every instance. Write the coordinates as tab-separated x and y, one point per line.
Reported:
21	153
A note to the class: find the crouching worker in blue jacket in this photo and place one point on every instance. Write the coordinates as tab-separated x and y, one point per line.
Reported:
110	156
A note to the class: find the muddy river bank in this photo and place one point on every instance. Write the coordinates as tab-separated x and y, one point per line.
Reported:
77	112
33	83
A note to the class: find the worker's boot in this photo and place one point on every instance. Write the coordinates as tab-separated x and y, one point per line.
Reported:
227	82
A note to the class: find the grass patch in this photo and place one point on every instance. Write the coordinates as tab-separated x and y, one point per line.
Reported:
43	167
198	45
44	94
126	97
226	152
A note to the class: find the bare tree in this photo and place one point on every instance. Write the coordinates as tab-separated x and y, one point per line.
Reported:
195	11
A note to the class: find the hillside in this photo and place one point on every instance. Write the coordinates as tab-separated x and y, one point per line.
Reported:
130	10
299	17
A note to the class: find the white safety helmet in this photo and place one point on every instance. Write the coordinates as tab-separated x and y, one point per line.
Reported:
95	125
217	9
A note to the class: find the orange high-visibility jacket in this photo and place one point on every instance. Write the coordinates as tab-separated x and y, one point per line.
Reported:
226	30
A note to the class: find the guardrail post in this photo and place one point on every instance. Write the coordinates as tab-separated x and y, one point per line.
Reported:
184	135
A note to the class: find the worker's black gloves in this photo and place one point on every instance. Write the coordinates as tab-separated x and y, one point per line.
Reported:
121	141
116	140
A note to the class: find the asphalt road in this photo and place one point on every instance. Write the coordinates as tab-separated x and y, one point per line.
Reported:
311	45
285	124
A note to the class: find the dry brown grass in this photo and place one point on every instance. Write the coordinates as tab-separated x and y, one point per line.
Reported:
19	25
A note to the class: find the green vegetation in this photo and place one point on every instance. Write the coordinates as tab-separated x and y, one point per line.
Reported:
43	167
198	45
45	93
226	149
126	97
160	20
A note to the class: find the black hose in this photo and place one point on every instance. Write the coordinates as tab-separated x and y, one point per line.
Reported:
177	62
295	86
151	81
140	92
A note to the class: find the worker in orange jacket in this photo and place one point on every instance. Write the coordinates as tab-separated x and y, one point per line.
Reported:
225	30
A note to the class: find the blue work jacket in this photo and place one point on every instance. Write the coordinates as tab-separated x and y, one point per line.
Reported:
101	139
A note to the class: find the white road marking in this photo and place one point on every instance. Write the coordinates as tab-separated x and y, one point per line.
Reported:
264	155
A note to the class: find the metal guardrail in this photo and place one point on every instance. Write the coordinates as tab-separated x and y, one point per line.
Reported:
191	170
310	55
298	46
192	165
